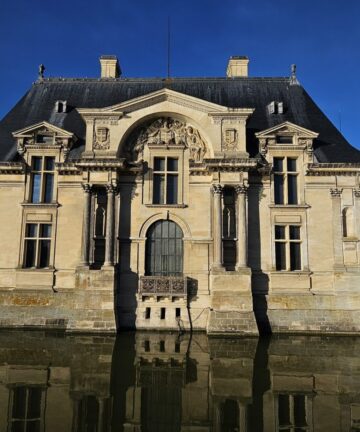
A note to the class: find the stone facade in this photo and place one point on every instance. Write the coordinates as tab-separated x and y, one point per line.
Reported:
170	211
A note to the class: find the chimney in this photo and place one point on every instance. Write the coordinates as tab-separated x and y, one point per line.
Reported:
237	67
109	66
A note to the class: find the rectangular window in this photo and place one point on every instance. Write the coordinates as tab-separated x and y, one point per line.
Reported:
26	409
162	313
42	179
37	245
287	248
285	181
292	415
165	180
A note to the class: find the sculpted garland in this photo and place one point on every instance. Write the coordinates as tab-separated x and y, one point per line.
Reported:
167	131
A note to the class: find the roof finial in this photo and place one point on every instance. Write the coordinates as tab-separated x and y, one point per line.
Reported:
41	71
293	79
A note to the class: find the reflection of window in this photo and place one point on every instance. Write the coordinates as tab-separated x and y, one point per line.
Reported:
164	249
42	179
292	413
285	180
165	180
26	409
37	245
287	247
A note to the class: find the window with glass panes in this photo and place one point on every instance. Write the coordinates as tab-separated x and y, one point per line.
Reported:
287	247
285	180
37	245
292	413
26	409
165	180
42	179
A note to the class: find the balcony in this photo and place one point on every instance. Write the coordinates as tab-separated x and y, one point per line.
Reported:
163	286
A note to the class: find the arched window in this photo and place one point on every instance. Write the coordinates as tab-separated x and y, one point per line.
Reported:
164	249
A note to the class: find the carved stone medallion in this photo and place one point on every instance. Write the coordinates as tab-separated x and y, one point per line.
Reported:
166	131
101	138
230	139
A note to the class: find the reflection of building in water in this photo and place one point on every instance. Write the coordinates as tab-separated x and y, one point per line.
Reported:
315	385
166	382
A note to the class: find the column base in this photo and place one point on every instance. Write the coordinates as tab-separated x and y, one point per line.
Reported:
217	268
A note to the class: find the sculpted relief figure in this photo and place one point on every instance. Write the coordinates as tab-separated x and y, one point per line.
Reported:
167	131
101	138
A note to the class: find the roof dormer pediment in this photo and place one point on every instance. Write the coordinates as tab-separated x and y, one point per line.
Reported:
287	128
42	127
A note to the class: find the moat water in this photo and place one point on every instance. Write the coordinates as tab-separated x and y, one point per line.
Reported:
168	382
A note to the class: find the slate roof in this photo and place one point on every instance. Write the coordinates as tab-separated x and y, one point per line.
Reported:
38	104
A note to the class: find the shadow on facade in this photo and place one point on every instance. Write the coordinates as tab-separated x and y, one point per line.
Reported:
126	278
260	280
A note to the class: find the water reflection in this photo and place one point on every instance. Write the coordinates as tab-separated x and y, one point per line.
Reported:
166	382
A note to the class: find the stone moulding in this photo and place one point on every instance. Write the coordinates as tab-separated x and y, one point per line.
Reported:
163	286
326	169
12	168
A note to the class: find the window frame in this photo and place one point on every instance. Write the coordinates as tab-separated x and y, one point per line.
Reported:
166	173
285	174
37	239
287	241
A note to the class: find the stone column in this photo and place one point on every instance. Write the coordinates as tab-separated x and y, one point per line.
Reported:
337	227
241	250
217	191
109	241
86	225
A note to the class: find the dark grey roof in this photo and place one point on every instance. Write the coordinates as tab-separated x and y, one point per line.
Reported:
38	104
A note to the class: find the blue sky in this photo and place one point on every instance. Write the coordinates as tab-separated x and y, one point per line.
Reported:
321	36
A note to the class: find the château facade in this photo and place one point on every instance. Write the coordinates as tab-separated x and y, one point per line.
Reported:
219	204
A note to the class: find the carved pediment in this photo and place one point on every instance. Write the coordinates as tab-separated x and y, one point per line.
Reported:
166	132
43	134
286	134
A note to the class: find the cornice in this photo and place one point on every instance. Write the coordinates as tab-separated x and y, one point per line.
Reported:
12	168
330	169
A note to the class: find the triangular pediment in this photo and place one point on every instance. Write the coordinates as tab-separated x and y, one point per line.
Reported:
164	95
287	128
43	126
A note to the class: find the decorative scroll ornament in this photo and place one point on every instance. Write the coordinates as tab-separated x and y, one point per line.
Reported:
230	139
166	131
101	138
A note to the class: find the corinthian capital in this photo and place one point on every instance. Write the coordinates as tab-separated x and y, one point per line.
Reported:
86	187
217	189
335	192
241	189
111	188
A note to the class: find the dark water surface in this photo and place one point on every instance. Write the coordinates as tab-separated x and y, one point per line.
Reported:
169	382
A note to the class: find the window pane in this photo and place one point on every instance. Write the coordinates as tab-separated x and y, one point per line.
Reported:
19	403
284	410
172	164
45	230
292	189
291	164
172	189
35	191
30	253
44	253
34	403
299	410
294	232
159	164
36	163
159	186
279	232
278	164
283	139
49	184
295	258
279	188
31	230
280	256
49	163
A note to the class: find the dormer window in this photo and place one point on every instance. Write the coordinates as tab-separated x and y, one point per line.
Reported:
60	106
285	180
42	179
276	107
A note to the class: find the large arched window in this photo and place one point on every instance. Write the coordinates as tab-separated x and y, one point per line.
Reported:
164	249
